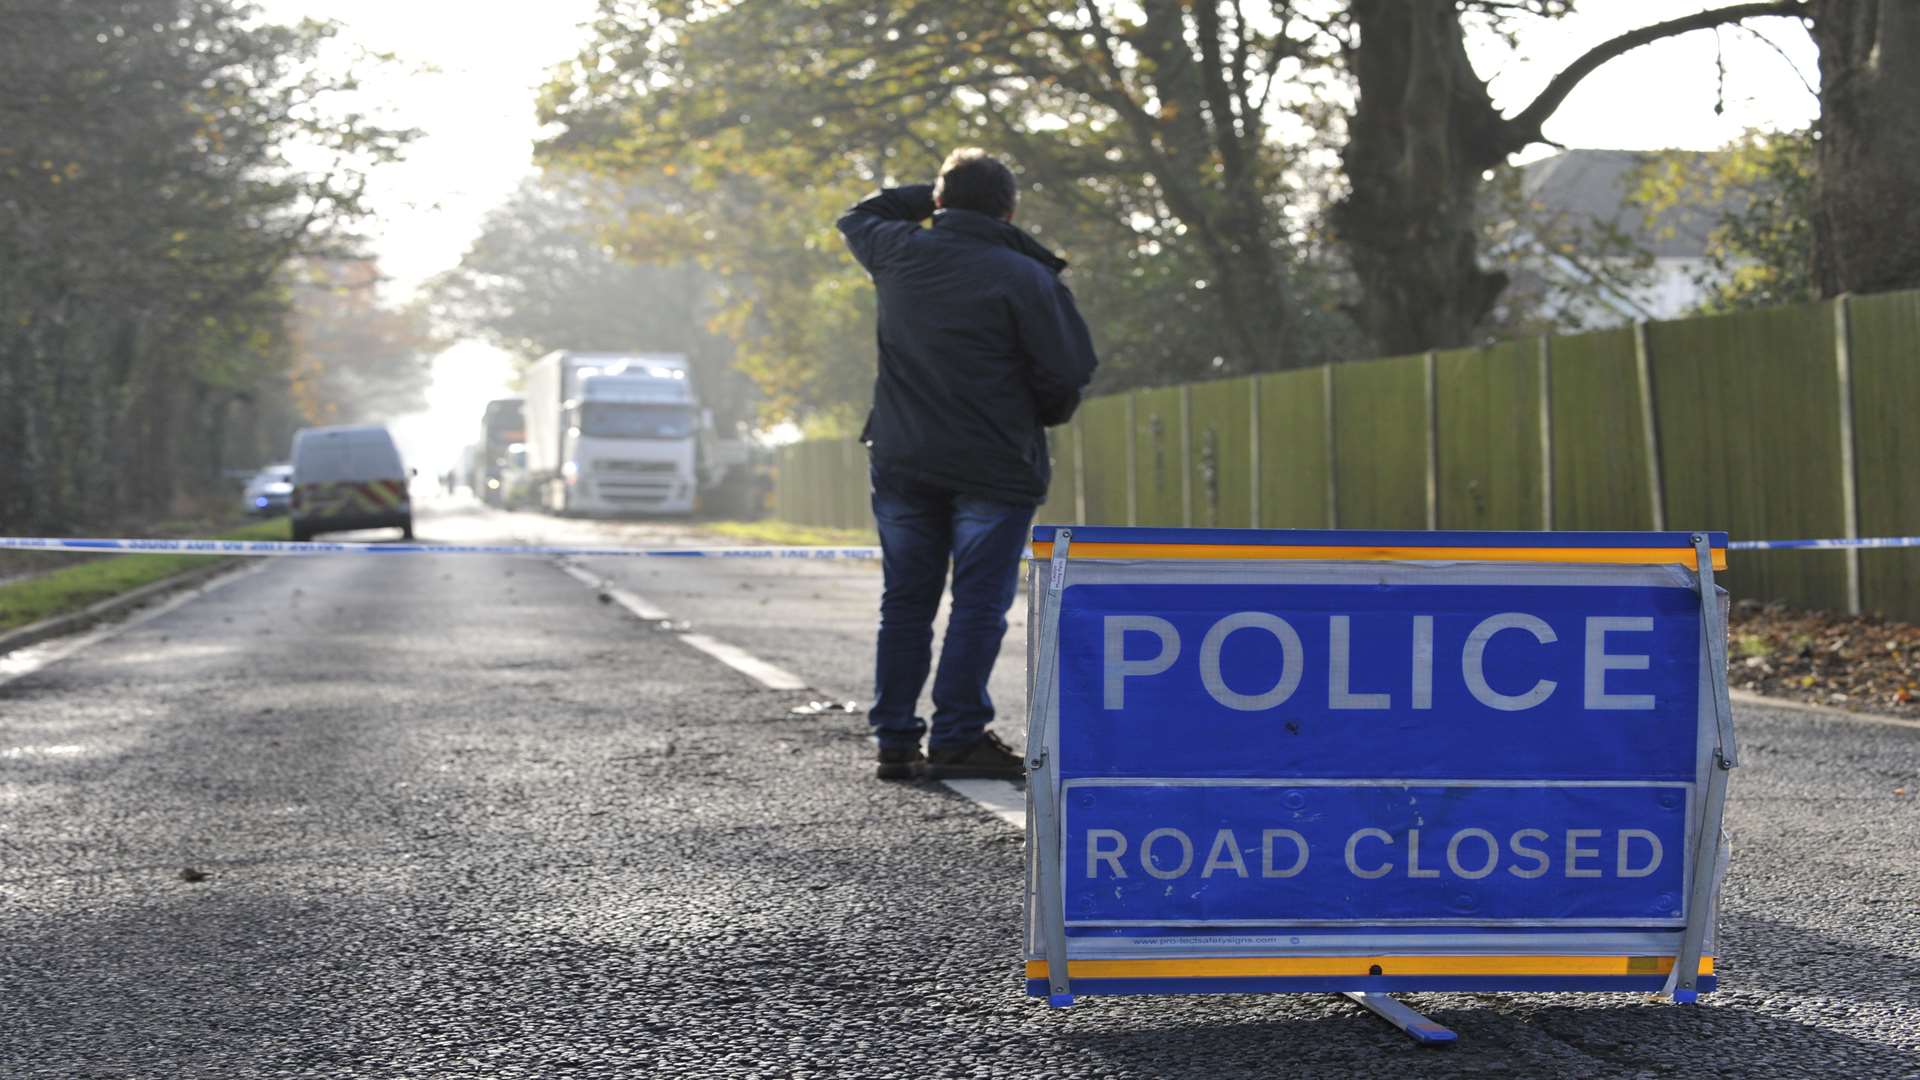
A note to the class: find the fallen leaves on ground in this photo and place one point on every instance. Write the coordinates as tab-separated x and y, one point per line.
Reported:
1859	662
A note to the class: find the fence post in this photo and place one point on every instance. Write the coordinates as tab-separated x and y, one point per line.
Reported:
1546	432
1643	368
1253	441
1186	455
782	477
1849	480
1333	451
1433	441
849	468
1133	486
1079	473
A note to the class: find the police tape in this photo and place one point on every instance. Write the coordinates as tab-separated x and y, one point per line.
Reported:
126	546
130	546
1818	545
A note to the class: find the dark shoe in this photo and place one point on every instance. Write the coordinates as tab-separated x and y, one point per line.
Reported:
986	759
899	763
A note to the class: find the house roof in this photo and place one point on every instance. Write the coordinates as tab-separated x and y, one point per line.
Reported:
1597	186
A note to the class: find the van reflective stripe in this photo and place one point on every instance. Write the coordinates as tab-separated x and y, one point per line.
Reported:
337	499
385	494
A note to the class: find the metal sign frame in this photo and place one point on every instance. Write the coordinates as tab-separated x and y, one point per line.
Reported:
1674	958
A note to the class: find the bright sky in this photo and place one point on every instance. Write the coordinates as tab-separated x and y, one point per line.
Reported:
468	73
1660	96
484	59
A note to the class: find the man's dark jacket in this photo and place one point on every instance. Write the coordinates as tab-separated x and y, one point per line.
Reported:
981	347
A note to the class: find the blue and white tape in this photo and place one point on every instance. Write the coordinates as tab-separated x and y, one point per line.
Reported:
1817	545
130	546
125	546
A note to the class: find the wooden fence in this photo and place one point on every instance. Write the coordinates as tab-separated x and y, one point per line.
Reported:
1785	423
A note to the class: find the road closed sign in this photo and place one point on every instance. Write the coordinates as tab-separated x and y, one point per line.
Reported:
1366	761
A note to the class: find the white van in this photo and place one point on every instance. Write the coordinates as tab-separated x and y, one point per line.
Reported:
347	478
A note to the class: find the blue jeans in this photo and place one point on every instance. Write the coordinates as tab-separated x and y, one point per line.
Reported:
921	528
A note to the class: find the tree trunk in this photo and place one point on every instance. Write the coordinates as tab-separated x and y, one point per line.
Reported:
1424	132
1423	135
1866	235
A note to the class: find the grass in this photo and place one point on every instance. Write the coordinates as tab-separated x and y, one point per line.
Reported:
73	587
784	533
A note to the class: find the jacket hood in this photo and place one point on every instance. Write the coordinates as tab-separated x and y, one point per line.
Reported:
980	226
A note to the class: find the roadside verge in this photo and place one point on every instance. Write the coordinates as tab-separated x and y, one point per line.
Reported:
771	531
75	597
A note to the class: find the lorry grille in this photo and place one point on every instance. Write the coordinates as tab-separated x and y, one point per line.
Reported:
635	491
636	466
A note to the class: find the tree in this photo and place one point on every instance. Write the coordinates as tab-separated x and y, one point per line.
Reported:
1143	131
1760	247
147	207
1568	269
1423	135
1866	224
555	268
353	359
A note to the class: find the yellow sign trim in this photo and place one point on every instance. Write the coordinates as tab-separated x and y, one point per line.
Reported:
1087	549
1308	966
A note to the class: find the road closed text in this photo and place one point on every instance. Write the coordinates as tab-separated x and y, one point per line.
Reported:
1469	854
1369	851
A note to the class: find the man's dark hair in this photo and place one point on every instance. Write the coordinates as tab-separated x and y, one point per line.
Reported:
972	180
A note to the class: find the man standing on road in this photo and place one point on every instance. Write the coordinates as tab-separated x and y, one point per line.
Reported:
981	350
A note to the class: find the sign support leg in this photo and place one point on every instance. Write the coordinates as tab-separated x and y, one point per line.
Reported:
1043	783
1683	983
1393	1011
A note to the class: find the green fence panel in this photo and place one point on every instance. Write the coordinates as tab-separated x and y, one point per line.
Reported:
813	508
1380	443
822	482
782	503
826	501
1103	438
806	508
1886	439
1058	509
1487	402
786	482
1156	455
1293	449
1748	411
1600	478
853	489
1220	453
1747	419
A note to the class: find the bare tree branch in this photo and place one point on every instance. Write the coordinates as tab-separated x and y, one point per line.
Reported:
1524	126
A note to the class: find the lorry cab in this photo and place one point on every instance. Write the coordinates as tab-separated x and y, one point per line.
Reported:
629	442
347	478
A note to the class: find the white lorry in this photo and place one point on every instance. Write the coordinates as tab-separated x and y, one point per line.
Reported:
613	433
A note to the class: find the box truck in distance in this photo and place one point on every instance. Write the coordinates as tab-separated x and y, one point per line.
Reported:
612	433
503	425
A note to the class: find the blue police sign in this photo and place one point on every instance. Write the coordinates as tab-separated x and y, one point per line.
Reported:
1374	761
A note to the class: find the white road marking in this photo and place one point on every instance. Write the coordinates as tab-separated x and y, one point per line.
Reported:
23	662
635	604
744	662
740	660
1001	798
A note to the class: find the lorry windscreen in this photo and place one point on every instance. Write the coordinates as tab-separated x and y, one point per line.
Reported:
625	420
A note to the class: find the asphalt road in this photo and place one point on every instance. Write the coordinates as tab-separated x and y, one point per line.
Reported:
457	817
